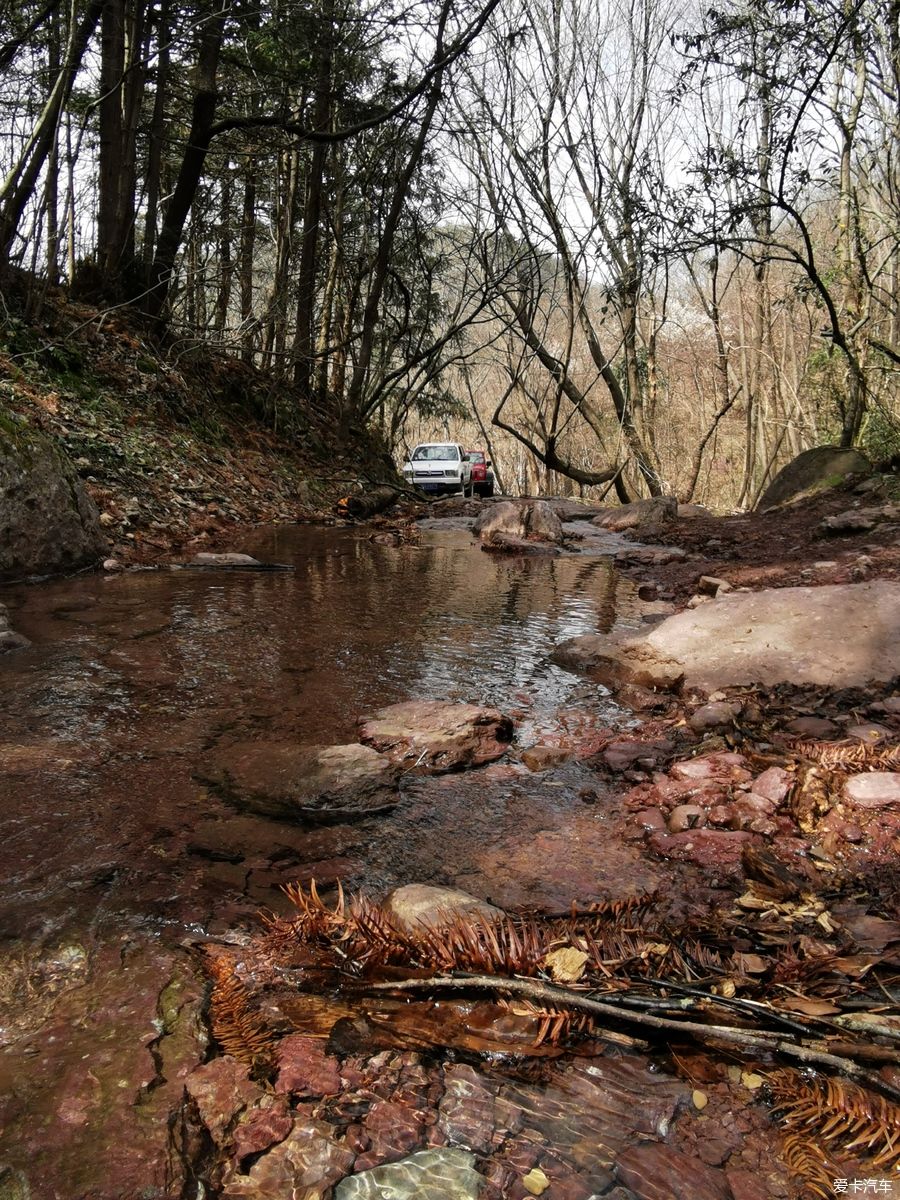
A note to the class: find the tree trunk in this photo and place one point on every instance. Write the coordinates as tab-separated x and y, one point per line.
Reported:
18	187
191	171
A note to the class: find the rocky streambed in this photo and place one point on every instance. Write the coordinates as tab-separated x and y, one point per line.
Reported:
183	746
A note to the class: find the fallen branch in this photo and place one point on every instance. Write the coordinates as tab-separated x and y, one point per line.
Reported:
817	1055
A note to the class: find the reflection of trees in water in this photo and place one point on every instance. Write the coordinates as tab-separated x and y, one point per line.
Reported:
356	625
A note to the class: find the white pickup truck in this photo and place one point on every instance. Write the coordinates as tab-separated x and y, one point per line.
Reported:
439	468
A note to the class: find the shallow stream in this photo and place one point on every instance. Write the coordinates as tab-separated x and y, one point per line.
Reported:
112	850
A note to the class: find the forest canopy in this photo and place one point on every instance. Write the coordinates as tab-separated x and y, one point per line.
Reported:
637	245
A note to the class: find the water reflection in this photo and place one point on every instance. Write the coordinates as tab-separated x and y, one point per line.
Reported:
356	625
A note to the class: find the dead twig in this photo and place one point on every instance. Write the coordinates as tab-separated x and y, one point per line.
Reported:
759	1041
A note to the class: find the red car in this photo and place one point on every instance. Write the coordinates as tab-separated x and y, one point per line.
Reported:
482	475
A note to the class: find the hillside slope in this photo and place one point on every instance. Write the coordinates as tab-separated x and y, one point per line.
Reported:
175	444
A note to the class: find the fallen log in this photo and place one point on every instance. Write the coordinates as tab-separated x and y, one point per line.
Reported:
369	504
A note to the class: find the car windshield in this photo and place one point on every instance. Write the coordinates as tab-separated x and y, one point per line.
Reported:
434	453
475	456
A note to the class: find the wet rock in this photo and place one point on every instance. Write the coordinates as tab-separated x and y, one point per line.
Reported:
624	754
519	521
774	784
418	905
263	1126
813	727
722	767
870	733
315	784
813	470
839	635
573	510
753	813
304	1069
309	1157
9	640
714	850
606	658
112	565
540	758
876	789
639	515
393	1130
221	1089
589	1112
48	522
650	556
710	585
689	511
439	1174
640	699
654	1171
686	816
467	1109
651	819
713	715
437	736
225	560
747	1185
112	1054
506	543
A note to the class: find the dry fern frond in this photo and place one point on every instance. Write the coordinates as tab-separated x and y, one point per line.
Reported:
237	1025
555	1023
495	948
840	755
808	1162
838	1115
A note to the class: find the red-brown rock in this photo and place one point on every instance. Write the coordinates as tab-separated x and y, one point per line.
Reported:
304	1069
654	1171
436	736
774	784
712	849
221	1089
263	1127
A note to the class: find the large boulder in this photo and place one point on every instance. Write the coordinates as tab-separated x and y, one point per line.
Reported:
519	520
48	522
842	635
813	471
640	515
313	784
436	736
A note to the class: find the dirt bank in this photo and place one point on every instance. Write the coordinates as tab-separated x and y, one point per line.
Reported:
176	444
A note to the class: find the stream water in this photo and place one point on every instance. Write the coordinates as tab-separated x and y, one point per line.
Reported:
109	839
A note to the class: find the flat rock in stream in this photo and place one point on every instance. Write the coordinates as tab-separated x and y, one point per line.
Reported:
313	784
437	736
843	635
